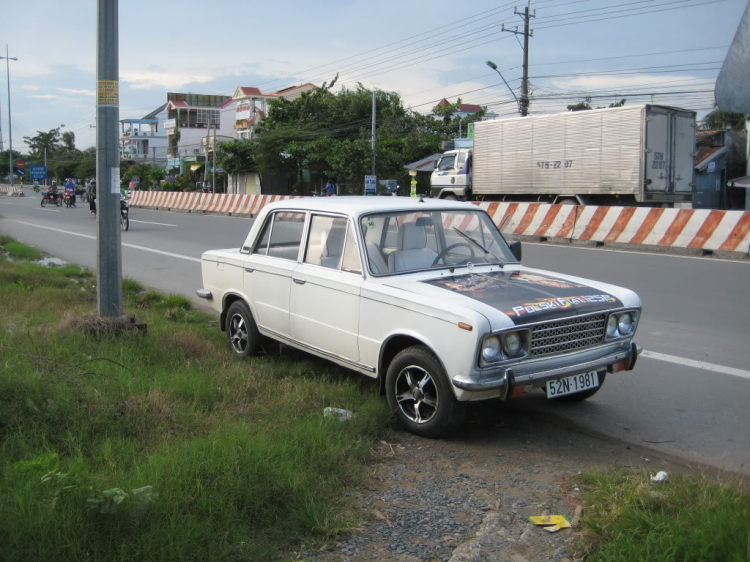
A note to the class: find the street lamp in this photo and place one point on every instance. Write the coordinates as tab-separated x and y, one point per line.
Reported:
493	66
10	125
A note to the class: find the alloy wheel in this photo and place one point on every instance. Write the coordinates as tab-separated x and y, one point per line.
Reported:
416	394
238	334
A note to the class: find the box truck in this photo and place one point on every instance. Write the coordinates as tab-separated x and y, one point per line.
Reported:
630	155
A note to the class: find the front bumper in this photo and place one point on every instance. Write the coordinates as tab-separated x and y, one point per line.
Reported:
549	368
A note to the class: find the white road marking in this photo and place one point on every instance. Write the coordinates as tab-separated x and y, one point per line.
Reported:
148	222
134	246
49	210
666	255
696	364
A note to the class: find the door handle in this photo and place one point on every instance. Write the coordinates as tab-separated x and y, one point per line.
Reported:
299	280
249	269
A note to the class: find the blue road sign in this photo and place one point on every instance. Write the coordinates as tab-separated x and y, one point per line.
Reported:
38	172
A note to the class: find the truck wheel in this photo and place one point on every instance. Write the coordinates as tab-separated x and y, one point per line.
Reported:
567	201
419	393
450	197
242	333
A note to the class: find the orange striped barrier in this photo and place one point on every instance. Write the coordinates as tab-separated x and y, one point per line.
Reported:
696	229
704	229
204	202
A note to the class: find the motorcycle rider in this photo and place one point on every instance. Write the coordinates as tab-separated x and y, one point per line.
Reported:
36	185
92	196
52	191
70	191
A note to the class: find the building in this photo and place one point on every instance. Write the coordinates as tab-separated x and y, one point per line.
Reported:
250	109
720	156
464	110
190	119
145	139
252	106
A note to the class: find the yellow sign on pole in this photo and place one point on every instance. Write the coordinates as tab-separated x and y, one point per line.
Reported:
107	93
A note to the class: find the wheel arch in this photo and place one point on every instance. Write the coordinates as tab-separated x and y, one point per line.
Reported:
227	301
392	346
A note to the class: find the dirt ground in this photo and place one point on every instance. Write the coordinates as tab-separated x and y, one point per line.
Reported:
466	499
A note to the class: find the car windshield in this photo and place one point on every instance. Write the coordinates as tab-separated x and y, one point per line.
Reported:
410	241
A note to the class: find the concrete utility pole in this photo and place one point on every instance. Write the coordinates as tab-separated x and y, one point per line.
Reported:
373	131
109	257
526	15
213	164
8	58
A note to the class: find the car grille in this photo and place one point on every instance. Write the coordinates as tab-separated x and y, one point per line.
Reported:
565	335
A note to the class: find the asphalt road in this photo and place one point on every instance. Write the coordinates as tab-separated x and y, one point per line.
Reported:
687	397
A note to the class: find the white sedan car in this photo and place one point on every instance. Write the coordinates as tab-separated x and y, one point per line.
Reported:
426	297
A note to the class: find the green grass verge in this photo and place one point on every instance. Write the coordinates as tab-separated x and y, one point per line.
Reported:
684	519
164	447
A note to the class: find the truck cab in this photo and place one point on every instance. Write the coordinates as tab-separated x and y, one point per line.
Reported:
451	178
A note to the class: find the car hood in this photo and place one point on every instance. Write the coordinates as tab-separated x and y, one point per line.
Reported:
528	296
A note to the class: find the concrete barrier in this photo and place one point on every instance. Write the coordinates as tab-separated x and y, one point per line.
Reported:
696	231
233	204
700	230
10	189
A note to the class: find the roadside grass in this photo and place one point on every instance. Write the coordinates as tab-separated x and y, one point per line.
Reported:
689	519
163	446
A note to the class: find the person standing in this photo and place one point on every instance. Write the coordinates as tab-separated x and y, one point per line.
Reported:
330	189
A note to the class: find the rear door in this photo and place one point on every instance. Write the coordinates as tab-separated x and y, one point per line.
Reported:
683	155
268	271
657	152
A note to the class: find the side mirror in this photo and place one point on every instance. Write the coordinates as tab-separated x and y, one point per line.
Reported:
515	247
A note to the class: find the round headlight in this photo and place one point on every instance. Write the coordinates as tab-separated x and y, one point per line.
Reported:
491	348
512	344
611	326
625	324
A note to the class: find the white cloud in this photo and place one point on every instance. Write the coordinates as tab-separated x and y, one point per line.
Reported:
47	97
29	87
168	80
77	92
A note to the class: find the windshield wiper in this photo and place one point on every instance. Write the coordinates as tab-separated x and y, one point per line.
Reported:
501	262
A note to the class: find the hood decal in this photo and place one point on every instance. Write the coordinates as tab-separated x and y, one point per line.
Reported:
529	297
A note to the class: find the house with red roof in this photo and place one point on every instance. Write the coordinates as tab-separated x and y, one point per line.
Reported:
464	109
252	105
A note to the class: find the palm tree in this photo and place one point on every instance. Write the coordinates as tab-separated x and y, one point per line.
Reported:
41	141
719	119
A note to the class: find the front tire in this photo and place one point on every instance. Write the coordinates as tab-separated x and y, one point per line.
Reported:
44	203
243	336
124	221
450	197
419	393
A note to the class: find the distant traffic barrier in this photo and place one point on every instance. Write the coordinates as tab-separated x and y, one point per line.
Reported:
10	189
686	230
703	230
232	204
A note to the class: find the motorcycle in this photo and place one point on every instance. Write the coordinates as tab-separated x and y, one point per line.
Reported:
124	214
51	198
68	199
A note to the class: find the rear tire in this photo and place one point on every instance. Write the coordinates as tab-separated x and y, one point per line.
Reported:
243	336
419	393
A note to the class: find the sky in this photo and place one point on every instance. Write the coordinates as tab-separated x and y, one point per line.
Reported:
422	50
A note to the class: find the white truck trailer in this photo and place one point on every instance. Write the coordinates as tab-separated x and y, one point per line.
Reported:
631	155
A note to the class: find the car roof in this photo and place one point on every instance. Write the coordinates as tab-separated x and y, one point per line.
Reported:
360	205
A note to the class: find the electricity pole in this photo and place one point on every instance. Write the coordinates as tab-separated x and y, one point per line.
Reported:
109	258
526	15
373	132
213	164
8	58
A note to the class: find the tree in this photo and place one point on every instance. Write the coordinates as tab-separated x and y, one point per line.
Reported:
331	133
236	156
718	119
584	105
69	140
86	168
41	141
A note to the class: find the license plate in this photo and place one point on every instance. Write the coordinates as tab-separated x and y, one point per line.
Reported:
572	384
